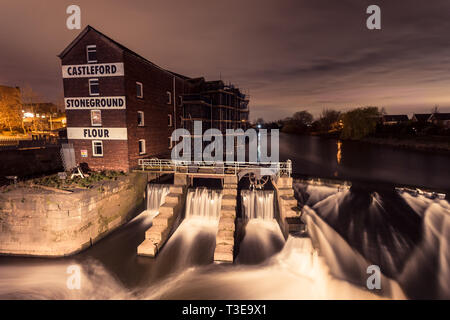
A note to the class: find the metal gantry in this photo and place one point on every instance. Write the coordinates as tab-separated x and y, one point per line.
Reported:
218	168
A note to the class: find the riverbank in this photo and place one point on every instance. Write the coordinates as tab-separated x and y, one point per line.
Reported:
425	143
421	144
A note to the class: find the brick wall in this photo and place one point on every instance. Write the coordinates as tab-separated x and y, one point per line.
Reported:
156	84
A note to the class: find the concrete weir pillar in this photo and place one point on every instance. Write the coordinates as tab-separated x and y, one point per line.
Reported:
162	224
287	204
225	234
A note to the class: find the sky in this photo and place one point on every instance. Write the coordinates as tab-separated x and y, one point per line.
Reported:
288	55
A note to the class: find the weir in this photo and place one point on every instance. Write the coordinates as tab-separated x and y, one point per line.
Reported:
222	205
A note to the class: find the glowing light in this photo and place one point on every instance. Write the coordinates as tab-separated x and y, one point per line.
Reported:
339	152
28	115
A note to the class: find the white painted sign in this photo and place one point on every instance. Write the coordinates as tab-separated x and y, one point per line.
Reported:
94	103
93	70
97	133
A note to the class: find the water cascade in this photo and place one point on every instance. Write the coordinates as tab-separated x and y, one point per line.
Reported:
156	195
203	203
262	236
193	242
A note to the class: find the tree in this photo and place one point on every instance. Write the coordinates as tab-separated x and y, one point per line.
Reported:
30	100
303	118
10	110
360	122
328	118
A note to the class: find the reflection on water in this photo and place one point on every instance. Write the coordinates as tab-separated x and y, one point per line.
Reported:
318	157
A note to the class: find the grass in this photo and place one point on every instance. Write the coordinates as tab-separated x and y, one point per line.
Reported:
88	182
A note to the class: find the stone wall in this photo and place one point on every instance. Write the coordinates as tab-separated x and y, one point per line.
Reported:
45	223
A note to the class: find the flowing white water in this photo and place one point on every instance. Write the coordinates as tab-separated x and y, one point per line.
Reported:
156	195
257	204
262	236
203	203
193	242
325	267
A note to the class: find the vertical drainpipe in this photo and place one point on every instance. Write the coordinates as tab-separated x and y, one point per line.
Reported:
174	105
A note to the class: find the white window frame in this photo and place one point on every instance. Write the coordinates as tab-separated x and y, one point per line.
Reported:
93	148
98	83
169	97
87	53
142	89
101	121
170	143
144	148
143	119
170	124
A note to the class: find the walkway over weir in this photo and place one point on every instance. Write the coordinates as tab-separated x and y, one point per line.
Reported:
206	169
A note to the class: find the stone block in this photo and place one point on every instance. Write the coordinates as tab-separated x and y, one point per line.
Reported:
173	198
147	248
232	192
157	234
164	219
283	182
285	192
180	179
169	208
288	201
226	223
232	179
228	211
228	200
179	189
223	253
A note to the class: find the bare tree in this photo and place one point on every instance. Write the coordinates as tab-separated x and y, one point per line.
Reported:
30	100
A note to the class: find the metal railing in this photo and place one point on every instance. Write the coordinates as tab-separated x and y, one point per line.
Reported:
226	167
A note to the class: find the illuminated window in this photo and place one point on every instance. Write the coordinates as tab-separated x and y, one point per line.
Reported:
139	90
97	148
91	52
96	117
142	146
169	120
140	118
94	88
170	142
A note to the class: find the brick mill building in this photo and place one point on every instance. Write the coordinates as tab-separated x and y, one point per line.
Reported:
121	107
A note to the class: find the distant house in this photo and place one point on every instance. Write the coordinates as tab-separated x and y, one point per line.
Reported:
442	119
421	117
394	119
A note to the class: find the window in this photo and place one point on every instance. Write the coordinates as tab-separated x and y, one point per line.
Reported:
142	146
169	98
91	52
170	120
96	117
180	100
139	90
170	142
97	148
140	118
94	89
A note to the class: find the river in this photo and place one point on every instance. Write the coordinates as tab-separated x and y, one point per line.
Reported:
407	236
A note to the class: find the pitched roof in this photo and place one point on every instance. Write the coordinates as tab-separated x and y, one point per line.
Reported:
395	117
422	116
441	116
122	47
